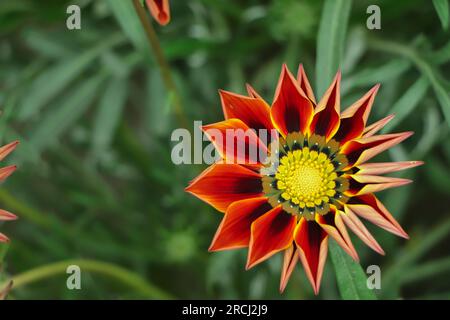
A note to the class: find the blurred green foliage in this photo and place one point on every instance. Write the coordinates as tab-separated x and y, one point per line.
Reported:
95	179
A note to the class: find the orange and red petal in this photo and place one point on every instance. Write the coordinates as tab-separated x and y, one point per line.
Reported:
312	244
386	167
3	238
6	215
370	208
7	149
236	142
364	184
354	118
303	82
377	126
160	10
361	150
234	230
222	184
5	172
291	110
252	92
333	225
326	118
254	112
290	260
270	233
358	228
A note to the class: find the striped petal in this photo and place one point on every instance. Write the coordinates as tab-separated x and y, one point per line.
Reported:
358	228
290	260
333	225
326	116
254	112
6	215
7	149
364	184
312	245
361	150
370	208
291	110
3	238
234	230
271	233
377	126
354	118
222	184
160	10
252	92
236	142
386	167
303	82
5	172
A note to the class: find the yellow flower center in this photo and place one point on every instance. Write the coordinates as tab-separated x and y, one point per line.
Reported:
306	177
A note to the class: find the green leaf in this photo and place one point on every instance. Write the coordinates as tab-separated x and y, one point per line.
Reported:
427	270
441	7
407	103
72	108
54	79
109	113
417	251
351	279
370	76
129	22
429	71
330	41
3	250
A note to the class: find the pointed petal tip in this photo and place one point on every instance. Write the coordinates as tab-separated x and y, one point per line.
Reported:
7	216
316	289
403	234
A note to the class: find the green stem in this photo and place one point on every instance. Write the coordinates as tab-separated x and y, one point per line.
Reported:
162	62
25	211
118	273
433	76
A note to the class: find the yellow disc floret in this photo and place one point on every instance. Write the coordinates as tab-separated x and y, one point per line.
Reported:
306	177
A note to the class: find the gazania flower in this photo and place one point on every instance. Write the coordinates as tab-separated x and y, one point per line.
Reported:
321	185
160	10
5	172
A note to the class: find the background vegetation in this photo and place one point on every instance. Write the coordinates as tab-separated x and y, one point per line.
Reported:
95	181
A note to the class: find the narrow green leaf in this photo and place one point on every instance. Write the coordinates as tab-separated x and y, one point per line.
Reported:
427	243
53	80
370	76
45	44
330	41
442	55
351	279
109	113
437	174
72	108
441	7
129	22
407	103
432	130
3	249
157	109
430	72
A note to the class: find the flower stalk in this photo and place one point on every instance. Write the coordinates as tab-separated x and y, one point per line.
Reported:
161	60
